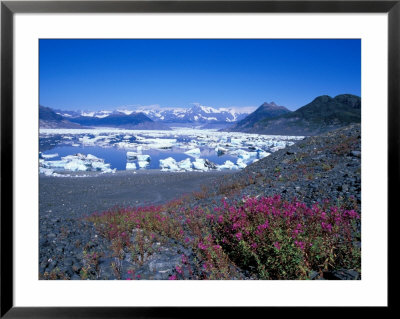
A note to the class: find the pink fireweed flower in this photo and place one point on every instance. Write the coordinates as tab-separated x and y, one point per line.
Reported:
277	246
173	277
238	235
202	246
353	214
138	276
300	244
254	245
326	226
220	219
178	269
235	226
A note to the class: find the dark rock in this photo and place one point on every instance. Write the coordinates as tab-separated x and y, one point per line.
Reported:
210	164
342	274
314	275
68	261
75	277
355	153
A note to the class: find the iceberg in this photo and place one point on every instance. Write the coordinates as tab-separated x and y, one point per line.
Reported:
109	170
143	158
168	164
240	163
47	156
262	154
228	165
132	155
193	152
244	154
93	158
46	171
130	166
100	166
185	164
199	164
143	164
54	164
221	150
76	165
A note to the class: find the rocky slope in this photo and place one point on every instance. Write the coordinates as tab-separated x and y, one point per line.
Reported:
316	169
312	170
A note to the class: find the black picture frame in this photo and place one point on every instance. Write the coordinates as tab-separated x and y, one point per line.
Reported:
9	8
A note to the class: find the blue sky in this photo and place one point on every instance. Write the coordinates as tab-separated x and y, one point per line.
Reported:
110	74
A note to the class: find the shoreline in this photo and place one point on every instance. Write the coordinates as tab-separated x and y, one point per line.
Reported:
122	173
100	192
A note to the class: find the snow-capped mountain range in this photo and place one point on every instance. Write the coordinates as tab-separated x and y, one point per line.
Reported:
196	114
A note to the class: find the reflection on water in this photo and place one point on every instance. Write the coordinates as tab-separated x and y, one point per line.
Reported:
117	157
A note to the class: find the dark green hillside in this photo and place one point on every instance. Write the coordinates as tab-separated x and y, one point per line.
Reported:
323	114
266	110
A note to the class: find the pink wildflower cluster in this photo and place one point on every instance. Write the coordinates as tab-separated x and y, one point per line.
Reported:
308	233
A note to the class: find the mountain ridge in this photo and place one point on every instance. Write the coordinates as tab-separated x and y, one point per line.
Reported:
323	114
196	114
265	110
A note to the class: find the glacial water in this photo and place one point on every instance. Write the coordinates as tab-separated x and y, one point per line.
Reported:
117	157
226	150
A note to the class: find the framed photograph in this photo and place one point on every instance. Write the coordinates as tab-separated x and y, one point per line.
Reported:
162	155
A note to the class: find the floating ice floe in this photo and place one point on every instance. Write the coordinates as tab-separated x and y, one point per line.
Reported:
132	156
244	154
185	164
143	164
46	171
143	158
228	165
200	164
221	150
193	142
75	163
240	163
47	156
262	154
169	164
158	143
130	166
193	152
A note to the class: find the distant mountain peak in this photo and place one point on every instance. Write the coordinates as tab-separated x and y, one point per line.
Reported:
265	111
272	105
